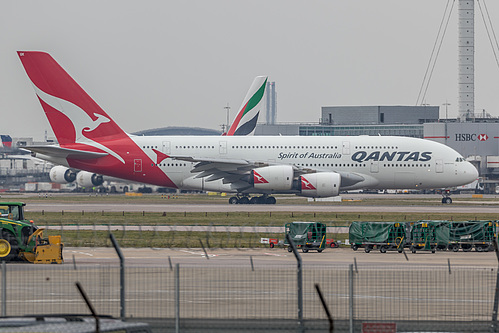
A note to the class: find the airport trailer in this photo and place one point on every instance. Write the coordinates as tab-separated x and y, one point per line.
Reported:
469	234
428	235
306	235
385	236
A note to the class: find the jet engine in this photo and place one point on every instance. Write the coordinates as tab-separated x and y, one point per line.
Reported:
274	178
321	184
88	179
62	175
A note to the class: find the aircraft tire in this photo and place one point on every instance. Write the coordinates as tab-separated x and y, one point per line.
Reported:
261	200
270	201
244	201
447	200
233	200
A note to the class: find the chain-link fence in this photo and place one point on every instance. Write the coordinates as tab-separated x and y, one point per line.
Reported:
262	297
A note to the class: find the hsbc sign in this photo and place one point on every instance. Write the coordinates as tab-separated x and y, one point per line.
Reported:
471	137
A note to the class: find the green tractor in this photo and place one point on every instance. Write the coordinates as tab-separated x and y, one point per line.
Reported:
21	239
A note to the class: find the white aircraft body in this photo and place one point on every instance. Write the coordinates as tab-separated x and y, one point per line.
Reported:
307	166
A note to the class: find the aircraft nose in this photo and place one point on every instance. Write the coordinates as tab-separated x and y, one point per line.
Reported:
470	172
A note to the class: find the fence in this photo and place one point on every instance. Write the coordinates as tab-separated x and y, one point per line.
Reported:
416	298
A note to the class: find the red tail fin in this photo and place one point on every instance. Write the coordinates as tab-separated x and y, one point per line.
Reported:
72	113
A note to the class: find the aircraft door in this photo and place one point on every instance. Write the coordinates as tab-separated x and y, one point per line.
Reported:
346	148
374	167
223	147
166	147
137	165
439	166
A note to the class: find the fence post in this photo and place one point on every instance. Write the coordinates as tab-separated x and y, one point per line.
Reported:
122	275
299	280
4	289
177	298
493	326
350	304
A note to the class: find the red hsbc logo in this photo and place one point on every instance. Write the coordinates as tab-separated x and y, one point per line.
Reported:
471	137
483	137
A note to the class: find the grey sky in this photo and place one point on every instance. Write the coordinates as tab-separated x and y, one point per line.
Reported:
158	63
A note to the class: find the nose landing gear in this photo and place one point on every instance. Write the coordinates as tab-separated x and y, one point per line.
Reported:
446	197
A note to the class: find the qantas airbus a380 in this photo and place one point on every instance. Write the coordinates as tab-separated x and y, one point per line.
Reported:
237	162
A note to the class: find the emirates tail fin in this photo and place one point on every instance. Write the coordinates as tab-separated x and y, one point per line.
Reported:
247	117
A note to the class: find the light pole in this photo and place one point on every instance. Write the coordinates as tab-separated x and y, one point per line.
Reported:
227	108
446	105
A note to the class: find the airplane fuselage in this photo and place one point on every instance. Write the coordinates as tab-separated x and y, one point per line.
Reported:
383	162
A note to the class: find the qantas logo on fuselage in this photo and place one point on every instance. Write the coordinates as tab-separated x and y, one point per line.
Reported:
405	156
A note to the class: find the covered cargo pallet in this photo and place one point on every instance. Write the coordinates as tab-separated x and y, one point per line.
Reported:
469	234
429	236
306	235
384	235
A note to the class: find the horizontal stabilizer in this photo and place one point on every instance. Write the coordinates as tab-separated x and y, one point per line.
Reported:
59	152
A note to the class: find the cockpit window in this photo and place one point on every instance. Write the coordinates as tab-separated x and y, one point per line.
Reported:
460	159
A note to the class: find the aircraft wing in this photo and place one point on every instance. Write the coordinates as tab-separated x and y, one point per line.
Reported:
237	171
59	152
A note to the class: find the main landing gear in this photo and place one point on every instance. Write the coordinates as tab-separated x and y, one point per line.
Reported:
245	200
446	197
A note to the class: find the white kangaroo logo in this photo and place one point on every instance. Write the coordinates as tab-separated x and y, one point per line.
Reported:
100	119
82	122
259	178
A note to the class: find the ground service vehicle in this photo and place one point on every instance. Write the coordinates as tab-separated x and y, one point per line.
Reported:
423	236
22	239
384	235
306	235
469	234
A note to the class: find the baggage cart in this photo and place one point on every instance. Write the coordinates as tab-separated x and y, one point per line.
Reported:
306	235
385	236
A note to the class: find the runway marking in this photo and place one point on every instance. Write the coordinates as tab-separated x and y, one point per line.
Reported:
199	253
275	254
84	253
